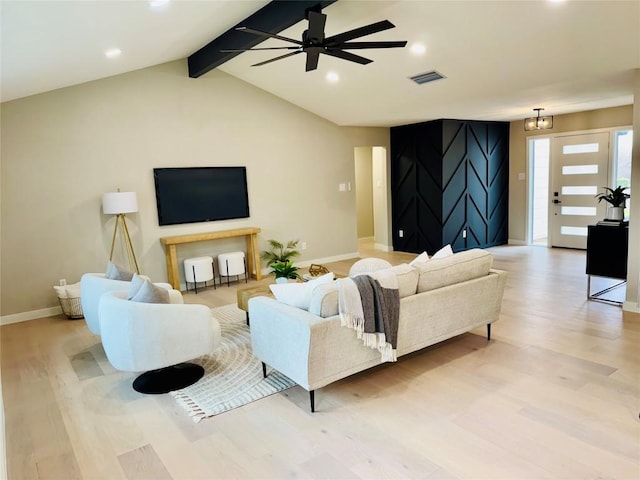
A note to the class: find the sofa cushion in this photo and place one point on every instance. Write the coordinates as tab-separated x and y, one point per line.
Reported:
298	294
324	300
456	268
407	279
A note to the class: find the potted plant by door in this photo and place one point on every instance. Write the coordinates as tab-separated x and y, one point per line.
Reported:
279	258
616	198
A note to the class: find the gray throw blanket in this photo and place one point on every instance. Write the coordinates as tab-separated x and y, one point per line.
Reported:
381	308
378	293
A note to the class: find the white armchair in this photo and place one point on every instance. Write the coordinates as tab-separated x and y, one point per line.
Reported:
92	286
158	337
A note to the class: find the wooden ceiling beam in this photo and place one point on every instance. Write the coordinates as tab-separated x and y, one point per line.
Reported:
274	17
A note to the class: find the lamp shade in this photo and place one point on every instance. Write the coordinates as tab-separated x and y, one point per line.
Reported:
114	203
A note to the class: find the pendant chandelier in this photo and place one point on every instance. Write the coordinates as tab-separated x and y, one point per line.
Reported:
538	122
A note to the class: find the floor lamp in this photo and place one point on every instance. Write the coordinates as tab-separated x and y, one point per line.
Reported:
119	204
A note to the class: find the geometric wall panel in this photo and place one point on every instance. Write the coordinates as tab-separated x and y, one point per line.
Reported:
449	178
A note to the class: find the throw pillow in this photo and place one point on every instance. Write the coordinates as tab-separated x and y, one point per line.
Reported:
298	294
114	272
136	283
444	252
73	290
150	293
423	257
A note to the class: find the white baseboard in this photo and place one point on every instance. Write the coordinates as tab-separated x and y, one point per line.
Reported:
26	316
382	247
631	307
513	241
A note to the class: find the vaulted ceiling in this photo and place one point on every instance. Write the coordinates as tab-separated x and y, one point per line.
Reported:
501	59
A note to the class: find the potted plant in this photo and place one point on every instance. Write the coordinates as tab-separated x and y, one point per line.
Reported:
616	198
284	271
280	258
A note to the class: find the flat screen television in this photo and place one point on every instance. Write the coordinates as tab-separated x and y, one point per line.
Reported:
200	194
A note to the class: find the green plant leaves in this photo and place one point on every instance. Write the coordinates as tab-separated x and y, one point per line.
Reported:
615	196
280	253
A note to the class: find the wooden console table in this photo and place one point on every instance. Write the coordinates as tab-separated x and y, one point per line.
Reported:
253	255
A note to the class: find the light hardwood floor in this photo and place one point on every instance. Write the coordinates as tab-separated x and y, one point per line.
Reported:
554	394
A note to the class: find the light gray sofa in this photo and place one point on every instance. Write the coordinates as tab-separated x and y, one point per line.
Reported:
439	299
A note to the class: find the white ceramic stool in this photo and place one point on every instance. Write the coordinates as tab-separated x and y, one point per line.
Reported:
230	264
198	269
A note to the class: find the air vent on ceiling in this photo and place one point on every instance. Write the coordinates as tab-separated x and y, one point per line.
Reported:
427	77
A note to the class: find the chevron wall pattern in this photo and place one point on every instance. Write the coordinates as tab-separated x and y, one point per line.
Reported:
449	181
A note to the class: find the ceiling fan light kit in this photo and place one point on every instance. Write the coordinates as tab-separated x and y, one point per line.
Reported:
314	42
538	122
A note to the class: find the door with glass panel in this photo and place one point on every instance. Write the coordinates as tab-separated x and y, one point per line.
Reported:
579	171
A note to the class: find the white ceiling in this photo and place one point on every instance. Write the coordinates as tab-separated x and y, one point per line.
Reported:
501	59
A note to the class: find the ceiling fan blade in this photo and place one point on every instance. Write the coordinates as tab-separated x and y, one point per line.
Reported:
312	60
358	32
360	45
317	22
276	58
347	56
267	34
261	48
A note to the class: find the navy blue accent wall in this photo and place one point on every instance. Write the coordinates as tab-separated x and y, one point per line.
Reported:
448	177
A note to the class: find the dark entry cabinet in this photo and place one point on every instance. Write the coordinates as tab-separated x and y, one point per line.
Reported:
449	185
607	248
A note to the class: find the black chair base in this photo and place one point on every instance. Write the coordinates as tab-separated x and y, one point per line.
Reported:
168	379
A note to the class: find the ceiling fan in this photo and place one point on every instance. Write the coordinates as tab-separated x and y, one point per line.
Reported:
314	42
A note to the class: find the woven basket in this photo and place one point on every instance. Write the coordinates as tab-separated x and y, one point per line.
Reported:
71	307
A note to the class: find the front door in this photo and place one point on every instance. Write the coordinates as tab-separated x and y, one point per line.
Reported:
579	171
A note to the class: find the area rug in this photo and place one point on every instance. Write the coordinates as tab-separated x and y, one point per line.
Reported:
233	376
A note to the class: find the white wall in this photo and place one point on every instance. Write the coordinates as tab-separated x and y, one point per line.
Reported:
381	199
62	150
633	267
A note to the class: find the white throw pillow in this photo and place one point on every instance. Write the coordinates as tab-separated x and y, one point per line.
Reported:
444	252
73	290
423	257
298	294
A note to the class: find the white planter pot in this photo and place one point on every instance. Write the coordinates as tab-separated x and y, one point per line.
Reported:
615	213
281	280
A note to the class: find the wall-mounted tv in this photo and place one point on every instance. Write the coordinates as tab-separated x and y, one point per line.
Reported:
200	194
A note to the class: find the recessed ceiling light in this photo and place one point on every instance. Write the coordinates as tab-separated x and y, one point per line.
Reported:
332	77
418	49
158	3
112	53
